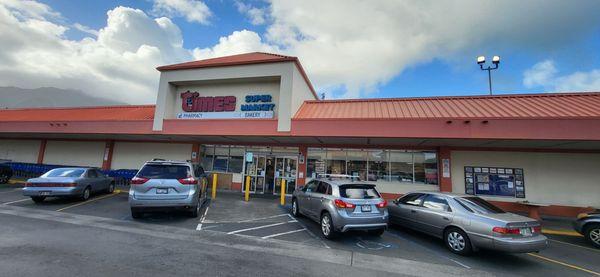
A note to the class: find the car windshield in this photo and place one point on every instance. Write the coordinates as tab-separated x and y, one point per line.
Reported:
64	172
358	191
476	204
164	171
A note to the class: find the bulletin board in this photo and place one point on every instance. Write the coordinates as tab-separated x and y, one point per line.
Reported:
495	181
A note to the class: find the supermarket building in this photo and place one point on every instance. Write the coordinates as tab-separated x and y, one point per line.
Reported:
258	115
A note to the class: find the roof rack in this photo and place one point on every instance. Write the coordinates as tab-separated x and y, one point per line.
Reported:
338	176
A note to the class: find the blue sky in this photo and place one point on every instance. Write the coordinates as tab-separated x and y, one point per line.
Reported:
548	46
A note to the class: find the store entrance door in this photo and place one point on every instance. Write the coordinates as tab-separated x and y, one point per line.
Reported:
267	171
286	168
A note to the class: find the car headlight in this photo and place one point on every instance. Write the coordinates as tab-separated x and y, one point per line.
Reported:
582	215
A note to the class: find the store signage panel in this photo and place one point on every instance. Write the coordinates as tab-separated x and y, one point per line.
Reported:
195	106
495	181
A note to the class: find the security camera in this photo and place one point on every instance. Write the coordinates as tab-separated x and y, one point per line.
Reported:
480	60
496	60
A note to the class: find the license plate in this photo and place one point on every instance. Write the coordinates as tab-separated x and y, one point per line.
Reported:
526	232
365	208
44	193
162	191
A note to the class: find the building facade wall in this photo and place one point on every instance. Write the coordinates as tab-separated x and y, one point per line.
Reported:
569	179
75	153
132	155
23	151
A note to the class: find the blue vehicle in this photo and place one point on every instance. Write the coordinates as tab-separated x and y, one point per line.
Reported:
68	182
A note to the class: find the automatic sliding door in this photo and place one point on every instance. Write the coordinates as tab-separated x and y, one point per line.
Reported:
286	168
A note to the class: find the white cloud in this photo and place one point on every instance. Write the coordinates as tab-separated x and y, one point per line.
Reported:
120	63
237	43
85	29
544	75
192	10
355	46
257	16
540	74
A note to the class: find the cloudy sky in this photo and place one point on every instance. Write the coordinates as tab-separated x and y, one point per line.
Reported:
349	48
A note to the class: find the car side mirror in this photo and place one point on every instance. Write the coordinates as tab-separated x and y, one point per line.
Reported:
395	201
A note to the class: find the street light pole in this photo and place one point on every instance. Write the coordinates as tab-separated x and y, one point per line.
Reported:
495	62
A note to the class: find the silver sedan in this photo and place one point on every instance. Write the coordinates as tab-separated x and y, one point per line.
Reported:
68	182
467	223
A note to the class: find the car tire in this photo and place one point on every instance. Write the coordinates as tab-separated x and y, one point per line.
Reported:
38	199
327	228
295	208
195	211
136	214
85	195
4	179
377	233
457	241
592	234
111	188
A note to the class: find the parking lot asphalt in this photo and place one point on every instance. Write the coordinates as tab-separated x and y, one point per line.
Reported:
264	218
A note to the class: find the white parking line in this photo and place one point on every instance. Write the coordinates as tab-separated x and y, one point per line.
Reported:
318	238
259	227
392	233
16	201
284	233
261	218
202	219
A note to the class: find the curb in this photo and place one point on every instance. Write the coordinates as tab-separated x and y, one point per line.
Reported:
561	232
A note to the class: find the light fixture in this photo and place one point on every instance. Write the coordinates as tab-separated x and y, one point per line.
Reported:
495	62
480	60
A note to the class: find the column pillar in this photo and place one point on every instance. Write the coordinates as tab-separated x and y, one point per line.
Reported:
108	154
444	169
195	156
302	165
42	151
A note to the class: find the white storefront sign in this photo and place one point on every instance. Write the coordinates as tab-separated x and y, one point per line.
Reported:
225	115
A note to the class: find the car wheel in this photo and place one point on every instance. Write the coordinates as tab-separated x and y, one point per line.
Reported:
327	228
3	179
377	232
111	188
136	214
457	241
295	208
38	199
85	195
592	234
195	211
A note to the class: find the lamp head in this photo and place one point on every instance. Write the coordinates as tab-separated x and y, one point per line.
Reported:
496	60
480	60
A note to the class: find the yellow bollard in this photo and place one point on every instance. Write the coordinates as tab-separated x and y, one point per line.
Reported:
247	192
214	186
282	200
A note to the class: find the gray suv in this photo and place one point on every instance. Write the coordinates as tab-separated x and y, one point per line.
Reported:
341	205
168	185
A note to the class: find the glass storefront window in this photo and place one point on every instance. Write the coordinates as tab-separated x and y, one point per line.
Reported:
426	167
236	159
357	163
378	165
315	163
207	157
336	162
401	166
221	160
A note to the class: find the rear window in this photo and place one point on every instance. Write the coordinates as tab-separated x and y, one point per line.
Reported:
164	171
64	172
358	192
476	204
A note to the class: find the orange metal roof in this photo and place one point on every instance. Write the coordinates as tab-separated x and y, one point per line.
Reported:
241	59
547	105
247	58
103	113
